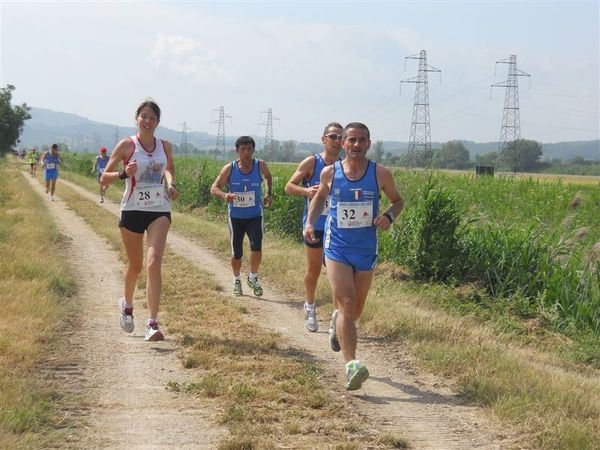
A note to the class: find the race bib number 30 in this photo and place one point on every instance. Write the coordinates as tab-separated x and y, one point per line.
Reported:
354	214
244	199
149	195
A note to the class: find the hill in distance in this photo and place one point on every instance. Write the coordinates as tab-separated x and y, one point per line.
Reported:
83	135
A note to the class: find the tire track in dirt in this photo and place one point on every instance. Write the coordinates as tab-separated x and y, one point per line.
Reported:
122	378
400	400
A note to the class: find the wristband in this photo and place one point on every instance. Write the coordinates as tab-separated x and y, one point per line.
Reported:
123	175
389	216
172	185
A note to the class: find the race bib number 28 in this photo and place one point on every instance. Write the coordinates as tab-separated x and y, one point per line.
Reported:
149	195
354	214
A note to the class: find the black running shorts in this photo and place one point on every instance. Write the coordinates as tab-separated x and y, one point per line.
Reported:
251	227
139	221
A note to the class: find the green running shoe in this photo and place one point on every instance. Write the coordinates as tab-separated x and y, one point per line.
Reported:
356	375
255	285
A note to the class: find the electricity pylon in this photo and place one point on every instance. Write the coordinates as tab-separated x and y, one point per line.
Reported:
419	142
184	142
510	131
220	147
268	124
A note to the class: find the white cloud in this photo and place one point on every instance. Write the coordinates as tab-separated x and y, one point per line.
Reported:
189	58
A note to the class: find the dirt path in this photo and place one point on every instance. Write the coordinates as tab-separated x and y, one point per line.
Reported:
413	405
123	377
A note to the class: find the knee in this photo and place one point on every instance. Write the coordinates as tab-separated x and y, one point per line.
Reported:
348	306
313	273
134	268
153	264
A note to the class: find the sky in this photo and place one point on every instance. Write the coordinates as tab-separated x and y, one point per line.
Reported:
310	62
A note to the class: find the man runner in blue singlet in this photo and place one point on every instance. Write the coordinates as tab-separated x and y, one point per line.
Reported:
350	240
50	161
244	177
100	162
309	173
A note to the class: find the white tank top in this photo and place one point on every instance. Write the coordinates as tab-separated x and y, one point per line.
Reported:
145	191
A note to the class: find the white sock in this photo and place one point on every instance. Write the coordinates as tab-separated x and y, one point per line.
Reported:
252	276
309	306
236	278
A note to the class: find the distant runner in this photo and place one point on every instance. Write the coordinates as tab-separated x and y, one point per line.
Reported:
145	207
244	178
309	173
100	162
50	161
33	162
350	241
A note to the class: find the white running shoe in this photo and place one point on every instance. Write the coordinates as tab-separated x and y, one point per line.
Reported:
310	319
237	287
333	339
125	316
153	334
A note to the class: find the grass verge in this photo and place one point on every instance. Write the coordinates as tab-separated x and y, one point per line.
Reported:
34	291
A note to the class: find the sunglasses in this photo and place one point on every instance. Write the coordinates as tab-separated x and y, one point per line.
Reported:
334	137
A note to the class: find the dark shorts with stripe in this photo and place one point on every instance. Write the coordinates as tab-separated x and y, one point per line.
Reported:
139	221
240	227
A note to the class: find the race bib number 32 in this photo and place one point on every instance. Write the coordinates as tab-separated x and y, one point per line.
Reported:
354	214
244	199
149	195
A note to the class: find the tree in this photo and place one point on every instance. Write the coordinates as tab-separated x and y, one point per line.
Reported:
521	155
378	151
12	120
452	155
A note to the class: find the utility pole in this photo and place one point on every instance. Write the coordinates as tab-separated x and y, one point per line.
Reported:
268	124
184	143
96	141
220	147
510	131
419	142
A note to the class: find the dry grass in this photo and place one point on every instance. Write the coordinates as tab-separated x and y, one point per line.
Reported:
267	394
34	289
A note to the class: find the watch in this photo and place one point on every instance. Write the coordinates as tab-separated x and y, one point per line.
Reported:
389	216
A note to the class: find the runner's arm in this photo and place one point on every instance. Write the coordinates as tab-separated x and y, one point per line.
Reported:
266	174
385	180
120	153
303	172
217	187
170	171
317	204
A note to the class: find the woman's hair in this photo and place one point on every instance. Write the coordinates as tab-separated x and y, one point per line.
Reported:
150	104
